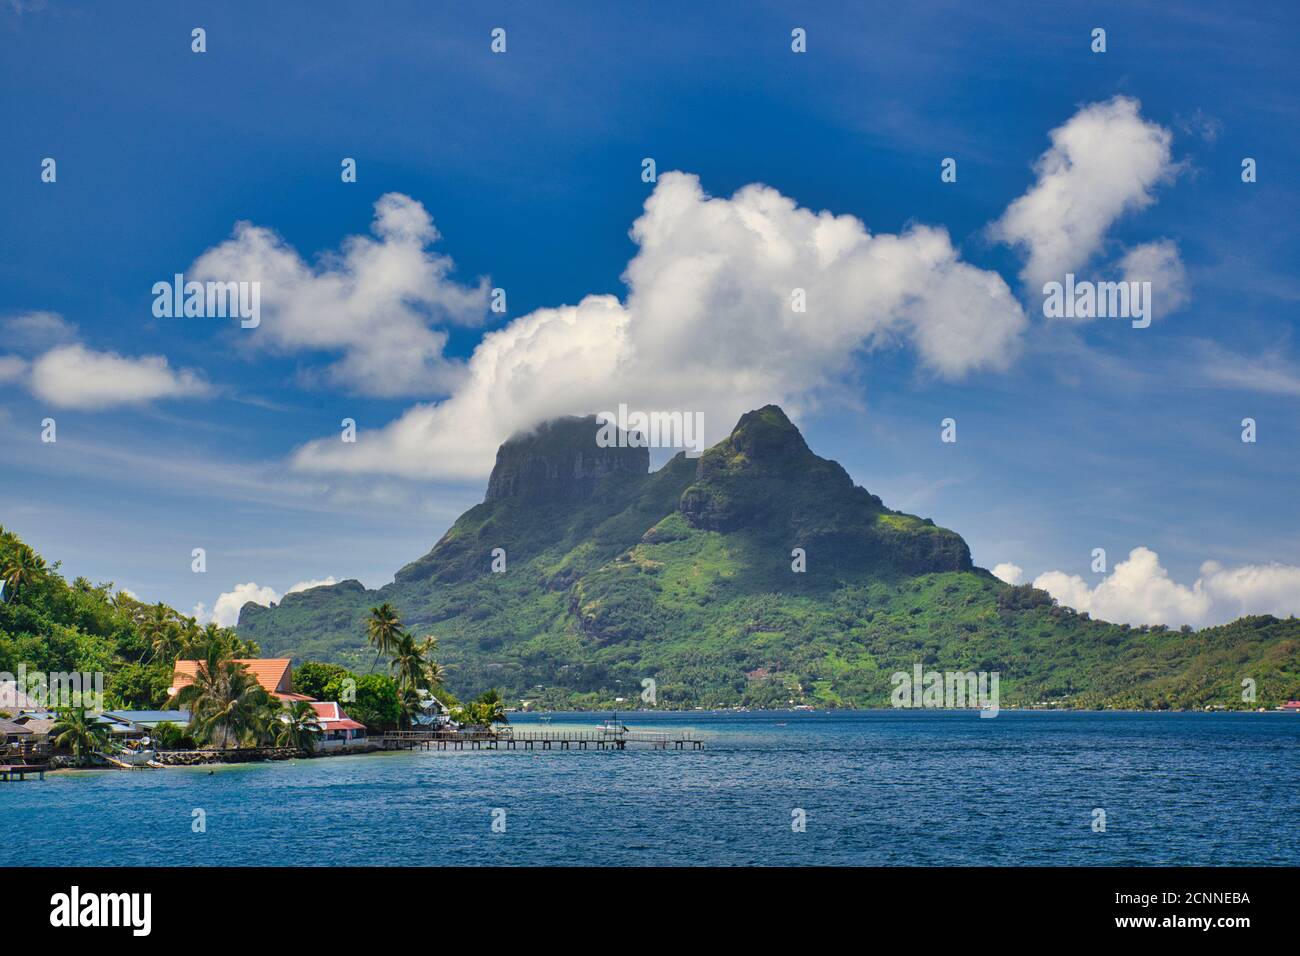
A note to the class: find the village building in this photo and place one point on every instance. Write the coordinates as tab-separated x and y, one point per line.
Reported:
275	674
337	728
276	677
14	734
146	720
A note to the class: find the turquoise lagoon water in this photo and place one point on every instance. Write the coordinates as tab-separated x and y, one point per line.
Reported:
896	787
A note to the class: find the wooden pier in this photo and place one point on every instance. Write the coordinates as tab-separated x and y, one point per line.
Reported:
510	739
19	771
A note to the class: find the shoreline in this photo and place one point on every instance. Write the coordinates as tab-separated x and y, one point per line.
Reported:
193	759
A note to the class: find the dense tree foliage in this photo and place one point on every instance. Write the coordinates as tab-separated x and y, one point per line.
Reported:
50	625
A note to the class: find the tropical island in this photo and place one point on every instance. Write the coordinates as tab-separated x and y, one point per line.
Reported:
607	574
583	573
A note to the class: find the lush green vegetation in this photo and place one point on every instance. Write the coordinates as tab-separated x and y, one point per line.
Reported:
298	727
684	576
487	709
51	625
373	699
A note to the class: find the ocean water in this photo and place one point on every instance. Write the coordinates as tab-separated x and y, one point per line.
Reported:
880	788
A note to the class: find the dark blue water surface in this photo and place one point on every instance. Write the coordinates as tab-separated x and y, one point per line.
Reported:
896	787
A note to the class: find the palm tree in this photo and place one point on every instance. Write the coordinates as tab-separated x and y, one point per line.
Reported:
264	723
168	736
298	727
411	661
409	704
227	705
491	709
416	673
124	602
188	633
161	632
79	733
384	630
23	566
435	674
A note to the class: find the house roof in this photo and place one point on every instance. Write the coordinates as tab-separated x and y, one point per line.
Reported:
40	726
332	716
115	724
10	729
430	703
275	674
181	717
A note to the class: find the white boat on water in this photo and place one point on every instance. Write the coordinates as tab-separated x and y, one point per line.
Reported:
136	758
612	726
133	754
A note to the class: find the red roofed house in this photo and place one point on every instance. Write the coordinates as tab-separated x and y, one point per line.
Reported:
337	728
276	677
275	674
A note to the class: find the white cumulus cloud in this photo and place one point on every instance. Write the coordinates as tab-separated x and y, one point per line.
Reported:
225	610
707	325
1104	161
1140	591
73	376
308	585
1160	264
1008	572
375	302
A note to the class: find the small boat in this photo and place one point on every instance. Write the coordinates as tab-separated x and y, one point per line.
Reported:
612	726
131	759
133	754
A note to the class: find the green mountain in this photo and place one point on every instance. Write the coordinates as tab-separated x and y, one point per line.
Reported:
614	574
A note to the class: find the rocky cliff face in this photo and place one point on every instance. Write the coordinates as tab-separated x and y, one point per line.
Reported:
560	461
550	484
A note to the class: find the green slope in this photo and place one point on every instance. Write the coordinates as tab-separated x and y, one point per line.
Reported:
614	574
50	626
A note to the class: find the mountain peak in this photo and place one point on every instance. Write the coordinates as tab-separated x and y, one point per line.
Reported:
768	433
560	459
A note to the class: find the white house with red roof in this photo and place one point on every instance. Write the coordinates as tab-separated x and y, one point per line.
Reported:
337	728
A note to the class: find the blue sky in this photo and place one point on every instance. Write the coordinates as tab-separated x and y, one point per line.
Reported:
1071	435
